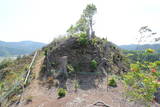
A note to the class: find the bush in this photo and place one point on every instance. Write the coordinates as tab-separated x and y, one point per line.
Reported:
70	68
61	92
112	83
83	40
93	64
150	50
94	41
5	63
142	83
76	85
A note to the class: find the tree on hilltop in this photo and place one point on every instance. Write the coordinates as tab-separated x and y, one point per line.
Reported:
85	23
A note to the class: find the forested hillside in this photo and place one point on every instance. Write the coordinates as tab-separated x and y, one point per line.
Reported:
18	48
140	47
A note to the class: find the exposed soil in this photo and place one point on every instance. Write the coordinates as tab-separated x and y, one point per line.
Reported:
43	97
89	92
37	95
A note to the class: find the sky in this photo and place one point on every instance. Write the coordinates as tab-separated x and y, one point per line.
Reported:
44	20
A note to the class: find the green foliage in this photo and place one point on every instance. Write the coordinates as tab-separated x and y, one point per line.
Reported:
71	30
150	50
157	63
85	23
93	64
83	40
94	41
18	48
112	82
142	56
76	85
70	68
135	67
5	63
61	92
46	51
12	75
90	11
142	81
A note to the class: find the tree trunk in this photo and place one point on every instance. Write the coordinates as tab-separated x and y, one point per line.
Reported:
90	28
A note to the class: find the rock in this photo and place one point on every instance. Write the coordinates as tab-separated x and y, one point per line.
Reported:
80	56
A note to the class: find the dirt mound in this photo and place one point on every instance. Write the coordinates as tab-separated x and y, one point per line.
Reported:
73	56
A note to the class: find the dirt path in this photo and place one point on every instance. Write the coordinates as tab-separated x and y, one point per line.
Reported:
34	89
38	96
42	97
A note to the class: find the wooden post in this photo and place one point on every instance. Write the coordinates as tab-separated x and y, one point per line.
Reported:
63	65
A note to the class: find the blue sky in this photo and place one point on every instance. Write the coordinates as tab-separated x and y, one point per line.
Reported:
43	20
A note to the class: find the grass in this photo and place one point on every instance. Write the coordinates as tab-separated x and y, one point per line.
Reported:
12	74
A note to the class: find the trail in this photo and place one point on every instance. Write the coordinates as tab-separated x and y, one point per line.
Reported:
41	96
34	91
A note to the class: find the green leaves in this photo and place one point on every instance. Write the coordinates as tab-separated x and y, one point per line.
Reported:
142	84
90	10
135	67
93	64
70	68
83	40
61	92
150	50
112	82
85	23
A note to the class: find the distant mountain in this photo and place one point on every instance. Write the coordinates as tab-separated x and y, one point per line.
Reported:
140	47
18	48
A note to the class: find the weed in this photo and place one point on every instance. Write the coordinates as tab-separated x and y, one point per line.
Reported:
112	82
61	92
93	64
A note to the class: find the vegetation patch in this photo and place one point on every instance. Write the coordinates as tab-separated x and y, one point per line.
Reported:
70	68
83	39
61	92
112	82
93	64
142	82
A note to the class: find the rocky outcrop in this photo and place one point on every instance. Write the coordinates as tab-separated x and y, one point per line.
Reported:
79	56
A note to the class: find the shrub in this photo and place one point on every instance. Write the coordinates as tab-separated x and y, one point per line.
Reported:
76	85
93	64
150	50
5	63
112	83
46	51
61	92
83	40
94	41
70	68
142	84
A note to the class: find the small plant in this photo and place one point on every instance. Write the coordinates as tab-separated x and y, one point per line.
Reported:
61	92
46	51
94	41
76	85
14	99
70	68
83	40
5	63
142	82
112	82
93	64
150	50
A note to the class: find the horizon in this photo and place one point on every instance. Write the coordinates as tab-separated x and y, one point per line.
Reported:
42	21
